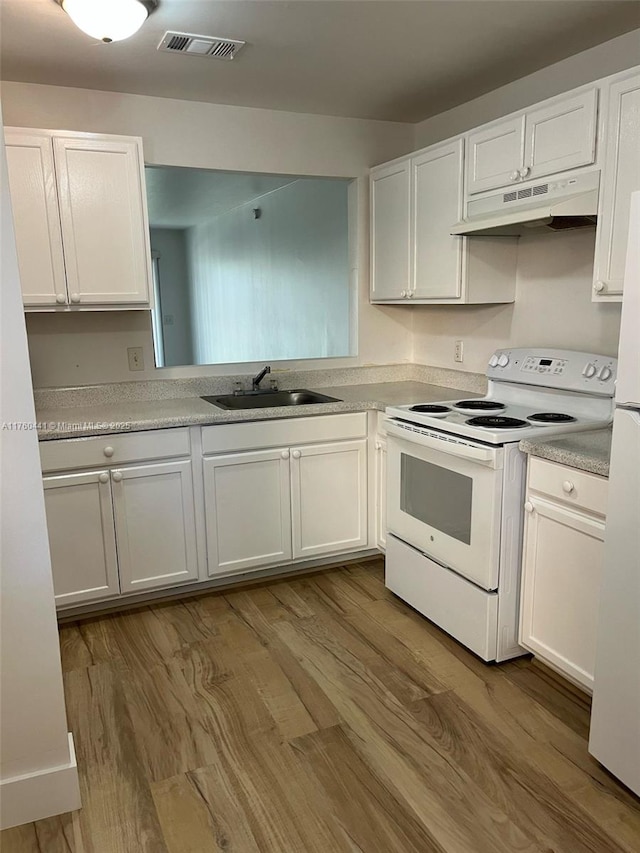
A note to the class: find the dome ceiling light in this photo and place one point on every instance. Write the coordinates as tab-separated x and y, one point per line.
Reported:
108	20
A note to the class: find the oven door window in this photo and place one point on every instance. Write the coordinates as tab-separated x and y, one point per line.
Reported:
436	496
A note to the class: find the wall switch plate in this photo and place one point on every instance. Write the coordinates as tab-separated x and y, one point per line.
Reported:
459	351
136	358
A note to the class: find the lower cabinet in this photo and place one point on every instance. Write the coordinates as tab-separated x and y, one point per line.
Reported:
155	524
266	507
82	537
247	507
561	575
126	527
381	493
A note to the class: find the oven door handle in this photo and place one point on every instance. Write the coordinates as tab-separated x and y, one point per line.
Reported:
487	455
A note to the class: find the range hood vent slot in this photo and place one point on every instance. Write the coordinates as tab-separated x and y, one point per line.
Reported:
195	45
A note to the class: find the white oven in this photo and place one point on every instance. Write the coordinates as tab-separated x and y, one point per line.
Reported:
444	498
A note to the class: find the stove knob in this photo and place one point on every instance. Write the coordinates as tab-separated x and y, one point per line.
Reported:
503	361
589	370
605	373
493	360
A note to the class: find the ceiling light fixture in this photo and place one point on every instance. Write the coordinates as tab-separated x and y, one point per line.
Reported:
108	20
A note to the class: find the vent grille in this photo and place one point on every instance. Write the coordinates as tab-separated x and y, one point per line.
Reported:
525	193
195	45
541	189
512	196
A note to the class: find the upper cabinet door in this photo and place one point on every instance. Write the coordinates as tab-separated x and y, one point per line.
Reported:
155	525
561	135
495	155
620	177
390	231
34	200
437	192
104	221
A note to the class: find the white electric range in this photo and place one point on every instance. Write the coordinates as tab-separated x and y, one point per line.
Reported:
456	480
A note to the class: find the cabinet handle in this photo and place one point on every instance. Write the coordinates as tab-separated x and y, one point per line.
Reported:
117	476
296	454
403	294
514	175
285	454
599	286
104	477
108	451
409	294
528	506
524	172
568	487
378	445
75	297
61	298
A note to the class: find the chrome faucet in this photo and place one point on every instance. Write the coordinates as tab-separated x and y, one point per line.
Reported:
257	379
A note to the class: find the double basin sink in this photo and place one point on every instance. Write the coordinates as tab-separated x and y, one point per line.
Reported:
269	399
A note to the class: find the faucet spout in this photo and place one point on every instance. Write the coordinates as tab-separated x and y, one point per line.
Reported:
257	379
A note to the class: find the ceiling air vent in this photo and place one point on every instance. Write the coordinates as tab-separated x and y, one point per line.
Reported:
194	45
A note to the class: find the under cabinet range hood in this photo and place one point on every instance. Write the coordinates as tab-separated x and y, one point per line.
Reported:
553	205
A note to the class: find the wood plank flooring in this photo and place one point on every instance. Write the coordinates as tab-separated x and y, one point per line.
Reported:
313	715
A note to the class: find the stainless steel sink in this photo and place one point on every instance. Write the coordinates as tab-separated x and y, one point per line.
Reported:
269	399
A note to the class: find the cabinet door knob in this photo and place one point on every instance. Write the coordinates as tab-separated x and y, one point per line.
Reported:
568	487
514	175
296	454
117	476
528	506
75	297
104	477
403	294
378	445
285	454
108	451
524	172
61	298
409	294
599	286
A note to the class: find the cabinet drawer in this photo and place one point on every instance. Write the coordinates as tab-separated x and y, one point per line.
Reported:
114	449
577	488
283	433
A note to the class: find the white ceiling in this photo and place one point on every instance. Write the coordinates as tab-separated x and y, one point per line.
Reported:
401	60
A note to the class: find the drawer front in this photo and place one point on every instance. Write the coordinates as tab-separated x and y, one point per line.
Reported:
576	488
116	449
283	433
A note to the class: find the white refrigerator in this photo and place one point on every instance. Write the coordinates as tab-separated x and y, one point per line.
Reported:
615	718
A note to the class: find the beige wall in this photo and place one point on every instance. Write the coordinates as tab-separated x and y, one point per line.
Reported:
86	348
553	308
600	61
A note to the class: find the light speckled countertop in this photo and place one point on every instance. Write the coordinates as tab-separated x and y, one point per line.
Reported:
135	415
588	451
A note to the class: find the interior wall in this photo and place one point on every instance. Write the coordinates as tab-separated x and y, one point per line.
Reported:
597	62
88	348
171	245
274	287
553	308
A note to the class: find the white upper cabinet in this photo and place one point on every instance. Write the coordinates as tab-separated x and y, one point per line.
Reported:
390	188
414	257
620	178
436	179
81	220
557	136
104	224
495	155
34	199
560	135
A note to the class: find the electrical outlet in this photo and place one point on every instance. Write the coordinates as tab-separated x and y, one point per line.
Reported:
136	358
459	351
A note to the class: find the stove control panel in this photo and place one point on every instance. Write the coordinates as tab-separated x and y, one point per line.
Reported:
551	368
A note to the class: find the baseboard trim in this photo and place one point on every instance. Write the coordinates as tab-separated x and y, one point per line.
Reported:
34	796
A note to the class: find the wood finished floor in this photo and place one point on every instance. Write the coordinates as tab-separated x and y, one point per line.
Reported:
315	715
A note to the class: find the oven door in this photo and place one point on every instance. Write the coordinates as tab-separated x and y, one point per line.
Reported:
444	498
